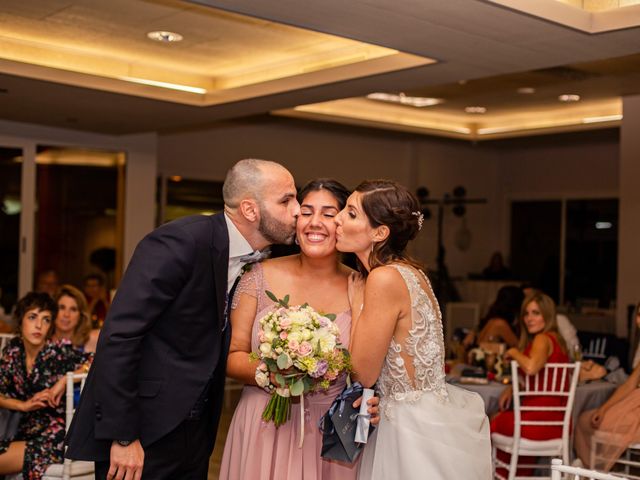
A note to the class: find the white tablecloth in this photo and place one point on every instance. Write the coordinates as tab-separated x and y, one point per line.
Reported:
588	395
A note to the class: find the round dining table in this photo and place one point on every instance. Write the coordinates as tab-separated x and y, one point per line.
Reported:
588	395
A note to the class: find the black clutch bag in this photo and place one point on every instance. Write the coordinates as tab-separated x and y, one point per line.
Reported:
338	427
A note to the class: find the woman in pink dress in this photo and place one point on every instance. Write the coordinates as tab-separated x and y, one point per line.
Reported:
256	449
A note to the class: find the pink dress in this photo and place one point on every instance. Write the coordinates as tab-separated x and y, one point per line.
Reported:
257	450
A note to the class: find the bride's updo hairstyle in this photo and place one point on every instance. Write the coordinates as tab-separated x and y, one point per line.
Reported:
386	202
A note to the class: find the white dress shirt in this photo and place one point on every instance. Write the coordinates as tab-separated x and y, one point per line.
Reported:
238	247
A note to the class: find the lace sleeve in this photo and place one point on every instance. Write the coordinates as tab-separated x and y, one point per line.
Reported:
250	284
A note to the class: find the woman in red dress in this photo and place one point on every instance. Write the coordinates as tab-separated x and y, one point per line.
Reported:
540	343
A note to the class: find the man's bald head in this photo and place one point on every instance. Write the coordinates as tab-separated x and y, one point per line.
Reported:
246	179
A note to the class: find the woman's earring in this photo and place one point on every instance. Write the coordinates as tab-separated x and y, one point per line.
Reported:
295	240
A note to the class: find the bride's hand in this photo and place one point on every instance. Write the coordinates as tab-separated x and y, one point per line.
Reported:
373	409
356	293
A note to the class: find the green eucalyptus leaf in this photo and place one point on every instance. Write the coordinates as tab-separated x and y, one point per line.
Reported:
283	361
271	296
331	316
280	379
297	388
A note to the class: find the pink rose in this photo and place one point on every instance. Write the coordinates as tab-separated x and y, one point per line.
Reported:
293	345
283	335
304	349
331	375
285	323
261	337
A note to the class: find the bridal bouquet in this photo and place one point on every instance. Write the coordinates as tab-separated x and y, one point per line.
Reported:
301	347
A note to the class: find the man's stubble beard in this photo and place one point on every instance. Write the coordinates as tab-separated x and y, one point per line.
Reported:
275	231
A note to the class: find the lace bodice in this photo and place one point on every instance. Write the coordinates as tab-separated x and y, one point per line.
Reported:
423	346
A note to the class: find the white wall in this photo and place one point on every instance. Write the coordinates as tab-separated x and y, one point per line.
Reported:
312	150
570	165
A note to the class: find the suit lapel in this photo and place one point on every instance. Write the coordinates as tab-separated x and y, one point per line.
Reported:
220	254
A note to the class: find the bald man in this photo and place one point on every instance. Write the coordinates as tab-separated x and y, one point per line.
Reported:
152	401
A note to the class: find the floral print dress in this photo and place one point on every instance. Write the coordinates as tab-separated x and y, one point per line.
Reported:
43	429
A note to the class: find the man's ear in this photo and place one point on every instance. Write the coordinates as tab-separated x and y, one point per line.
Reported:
249	209
381	233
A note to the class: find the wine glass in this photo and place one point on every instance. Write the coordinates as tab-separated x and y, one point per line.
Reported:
577	352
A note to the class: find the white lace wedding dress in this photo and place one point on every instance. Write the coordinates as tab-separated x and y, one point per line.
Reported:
428	429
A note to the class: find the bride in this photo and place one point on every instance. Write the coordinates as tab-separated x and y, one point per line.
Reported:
428	429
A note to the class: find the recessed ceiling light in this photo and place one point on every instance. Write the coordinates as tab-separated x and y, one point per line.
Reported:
404	99
569	97
175	178
475	109
526	90
164	36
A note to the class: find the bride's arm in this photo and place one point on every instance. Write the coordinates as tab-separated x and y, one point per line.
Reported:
385	296
239	366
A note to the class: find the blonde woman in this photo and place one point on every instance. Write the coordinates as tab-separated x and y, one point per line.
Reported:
73	321
540	343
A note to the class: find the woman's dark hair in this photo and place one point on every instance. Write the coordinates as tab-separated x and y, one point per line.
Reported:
41	301
335	188
386	202
506	306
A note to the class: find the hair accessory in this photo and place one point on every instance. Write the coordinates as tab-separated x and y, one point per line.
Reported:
420	219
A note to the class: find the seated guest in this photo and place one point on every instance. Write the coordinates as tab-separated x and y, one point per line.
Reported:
496	270
47	282
565	327
619	417
540	343
636	356
73	321
97	296
501	322
32	381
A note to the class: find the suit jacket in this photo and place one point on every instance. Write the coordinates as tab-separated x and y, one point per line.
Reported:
161	342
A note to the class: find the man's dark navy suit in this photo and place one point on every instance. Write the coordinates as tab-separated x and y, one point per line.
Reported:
162	342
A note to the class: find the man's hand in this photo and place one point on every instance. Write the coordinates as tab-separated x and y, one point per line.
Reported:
373	409
126	462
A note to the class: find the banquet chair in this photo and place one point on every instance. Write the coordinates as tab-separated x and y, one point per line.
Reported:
596	349
461	315
576	473
628	463
4	339
558	379
71	469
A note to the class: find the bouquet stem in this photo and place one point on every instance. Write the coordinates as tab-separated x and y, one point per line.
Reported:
277	410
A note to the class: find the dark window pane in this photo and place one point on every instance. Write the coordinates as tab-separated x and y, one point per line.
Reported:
535	244
591	252
10	210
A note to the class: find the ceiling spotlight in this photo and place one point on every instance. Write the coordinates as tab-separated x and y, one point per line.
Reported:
164	36
569	97
475	109
526	90
403	99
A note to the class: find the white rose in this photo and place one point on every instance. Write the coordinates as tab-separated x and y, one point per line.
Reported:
269	336
306	334
296	335
262	378
265	348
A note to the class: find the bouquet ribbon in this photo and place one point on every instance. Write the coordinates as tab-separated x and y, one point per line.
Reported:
347	395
